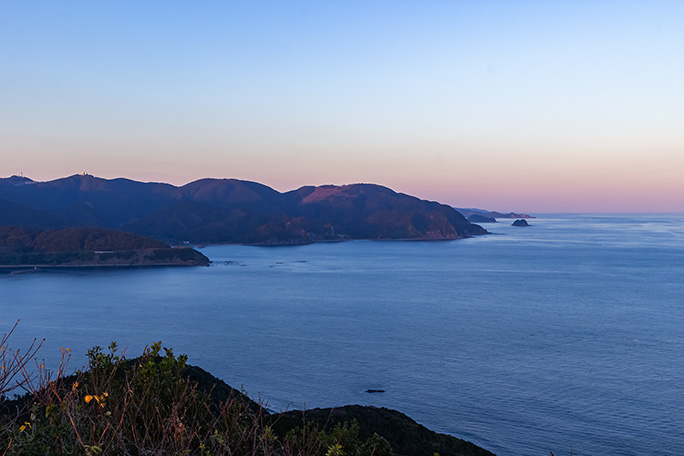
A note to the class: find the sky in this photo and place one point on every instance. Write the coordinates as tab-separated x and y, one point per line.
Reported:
532	106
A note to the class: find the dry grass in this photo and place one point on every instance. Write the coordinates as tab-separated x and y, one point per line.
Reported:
145	406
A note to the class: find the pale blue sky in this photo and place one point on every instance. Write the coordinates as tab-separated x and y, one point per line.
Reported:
527	105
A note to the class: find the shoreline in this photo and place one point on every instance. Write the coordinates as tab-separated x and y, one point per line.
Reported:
332	241
36	268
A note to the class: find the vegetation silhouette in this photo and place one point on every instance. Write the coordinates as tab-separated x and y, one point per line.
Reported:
157	404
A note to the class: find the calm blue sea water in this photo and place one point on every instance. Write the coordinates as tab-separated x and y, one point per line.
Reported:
567	336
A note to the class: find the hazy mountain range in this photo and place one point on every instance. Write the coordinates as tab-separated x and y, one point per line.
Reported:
228	211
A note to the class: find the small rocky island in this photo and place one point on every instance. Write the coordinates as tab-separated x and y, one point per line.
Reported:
86	247
520	222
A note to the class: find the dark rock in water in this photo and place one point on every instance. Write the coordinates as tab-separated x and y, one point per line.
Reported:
374	391
477	218
520	222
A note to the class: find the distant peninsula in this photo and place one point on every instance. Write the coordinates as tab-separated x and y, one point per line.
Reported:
218	211
474	214
78	247
477	218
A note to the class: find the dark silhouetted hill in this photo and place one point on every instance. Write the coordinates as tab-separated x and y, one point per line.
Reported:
228	211
405	436
367	211
146	390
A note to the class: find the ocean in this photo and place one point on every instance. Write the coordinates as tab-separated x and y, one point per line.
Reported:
566	336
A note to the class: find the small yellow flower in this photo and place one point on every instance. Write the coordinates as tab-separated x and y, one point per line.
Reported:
99	399
74	386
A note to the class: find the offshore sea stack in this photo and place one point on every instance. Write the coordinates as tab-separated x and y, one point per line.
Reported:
520	222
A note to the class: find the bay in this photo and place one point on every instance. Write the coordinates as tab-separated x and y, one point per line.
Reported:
565	336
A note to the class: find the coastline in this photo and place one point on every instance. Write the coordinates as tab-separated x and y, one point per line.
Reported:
333	241
29	268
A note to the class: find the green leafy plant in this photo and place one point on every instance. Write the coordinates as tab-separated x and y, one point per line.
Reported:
149	406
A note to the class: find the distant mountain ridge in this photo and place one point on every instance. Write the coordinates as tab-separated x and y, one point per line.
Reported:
228	211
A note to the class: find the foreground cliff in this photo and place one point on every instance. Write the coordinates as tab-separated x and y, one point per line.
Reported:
157	404
405	436
228	211
23	247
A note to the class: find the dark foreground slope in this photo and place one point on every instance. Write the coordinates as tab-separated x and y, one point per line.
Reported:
21	246
228	211
156	404
405	436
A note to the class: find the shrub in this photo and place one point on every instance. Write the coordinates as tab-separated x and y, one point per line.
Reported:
149	406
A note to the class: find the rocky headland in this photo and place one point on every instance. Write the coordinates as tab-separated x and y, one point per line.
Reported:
468	212
86	247
477	218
